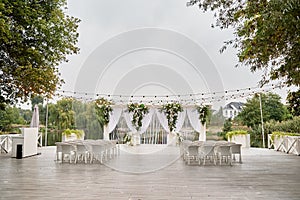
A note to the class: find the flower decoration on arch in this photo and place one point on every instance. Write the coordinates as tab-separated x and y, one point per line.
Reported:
103	108
139	111
204	113
172	110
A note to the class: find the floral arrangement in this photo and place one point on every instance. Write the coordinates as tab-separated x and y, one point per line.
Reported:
171	111
127	139
204	114
103	108
139	111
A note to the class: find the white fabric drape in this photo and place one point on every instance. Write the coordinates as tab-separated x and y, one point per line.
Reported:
114	118
128	117
146	120
191	113
162	120
180	120
193	117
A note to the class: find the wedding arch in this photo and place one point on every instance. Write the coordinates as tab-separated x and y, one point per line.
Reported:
192	116
170	120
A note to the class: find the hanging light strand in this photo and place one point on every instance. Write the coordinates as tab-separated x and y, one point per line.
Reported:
187	99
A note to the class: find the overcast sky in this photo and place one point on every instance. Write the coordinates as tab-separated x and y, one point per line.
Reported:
181	54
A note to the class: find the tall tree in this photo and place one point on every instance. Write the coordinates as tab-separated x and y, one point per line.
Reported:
9	116
66	114
36	100
267	34
35	37
272	109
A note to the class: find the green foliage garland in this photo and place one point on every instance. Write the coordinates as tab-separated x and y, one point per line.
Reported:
103	108
171	111
203	114
139	111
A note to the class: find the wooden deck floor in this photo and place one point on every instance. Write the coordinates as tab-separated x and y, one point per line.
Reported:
264	174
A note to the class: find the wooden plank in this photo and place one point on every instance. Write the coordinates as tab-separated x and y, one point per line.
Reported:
264	174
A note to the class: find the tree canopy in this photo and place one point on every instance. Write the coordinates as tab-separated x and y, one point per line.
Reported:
267	34
35	37
10	116
293	100
272	109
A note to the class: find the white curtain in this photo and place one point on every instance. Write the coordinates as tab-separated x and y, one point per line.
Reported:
146	120
180	120
193	117
191	112
128	117
162	120
114	118
202	136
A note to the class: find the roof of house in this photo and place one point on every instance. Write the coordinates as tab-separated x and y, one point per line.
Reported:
234	105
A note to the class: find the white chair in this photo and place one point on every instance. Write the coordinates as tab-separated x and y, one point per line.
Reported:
114	147
192	153
184	148
97	152
106	145
224	153
58	151
236	149
110	149
206	152
67	150
81	153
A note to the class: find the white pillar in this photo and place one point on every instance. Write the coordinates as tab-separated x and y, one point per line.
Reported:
136	138
171	139
202	134
105	132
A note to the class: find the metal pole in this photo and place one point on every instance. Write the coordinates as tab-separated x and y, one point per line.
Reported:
46	123
262	121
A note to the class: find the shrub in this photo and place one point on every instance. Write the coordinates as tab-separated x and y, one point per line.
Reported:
289	126
222	135
281	134
256	136
68	132
237	132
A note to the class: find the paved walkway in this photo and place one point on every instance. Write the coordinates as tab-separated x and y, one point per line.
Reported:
264	174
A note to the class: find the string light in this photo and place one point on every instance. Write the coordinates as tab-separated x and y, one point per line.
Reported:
187	99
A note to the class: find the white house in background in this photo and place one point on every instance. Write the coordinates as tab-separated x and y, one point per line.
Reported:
232	109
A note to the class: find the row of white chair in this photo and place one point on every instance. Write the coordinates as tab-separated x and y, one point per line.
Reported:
214	152
87	151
